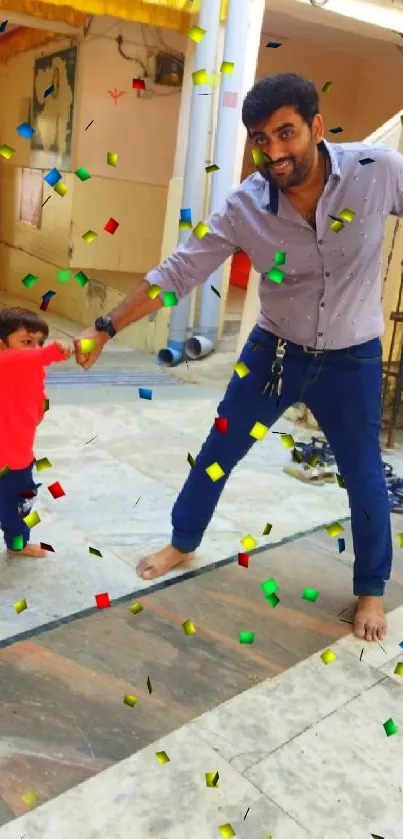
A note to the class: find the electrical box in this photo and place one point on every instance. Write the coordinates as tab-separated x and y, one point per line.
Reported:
169	69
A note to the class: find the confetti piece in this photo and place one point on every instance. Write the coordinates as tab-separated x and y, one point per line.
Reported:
366	161
398	671
259	157
138	84
42	463
29	280
162	757
94	552
53	177
201	230
6	151
32	519
340	481
3	26
221	425
241	369
111	226
185	225
17	543
280	257
45	405
273	600
82	173
400	539
46	298
89	236
275	274
243	560
247	814
326	87
102	600
328	656
170	299
246	637
334	529
111	158
3	471
390	727
375	836
258	431
196	34
212	168
287	441
61	189
46	547
336	226
215	472
25	130
136	608
130	700
310	594
227	67
191	461
81	278
88	344
215	291
230	99
297	455
214	79
269	587
347	215
20	606
212	779
227	831
248	542
89	124
49	91
274	45
56	490
149	685
153	291
336	130
200	77
44	305
342	545
145	393
186	215
30	798
188	627
267	529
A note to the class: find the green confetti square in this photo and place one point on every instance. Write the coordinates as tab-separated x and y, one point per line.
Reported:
64	275
273	600
212	168
246	637
310	594
17	543
191	461
81	278
45	405
269	587
94	552
326	87
267	529
390	727
276	275
280	257
83	174
170	299
29	280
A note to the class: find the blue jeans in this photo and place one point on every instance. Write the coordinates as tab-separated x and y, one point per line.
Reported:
17	495
342	388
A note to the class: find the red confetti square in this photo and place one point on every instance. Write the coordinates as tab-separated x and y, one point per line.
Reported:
28	494
243	559
44	305
102	600
56	490
221	425
111	226
139	84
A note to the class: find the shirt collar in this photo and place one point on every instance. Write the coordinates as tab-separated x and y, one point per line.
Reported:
272	192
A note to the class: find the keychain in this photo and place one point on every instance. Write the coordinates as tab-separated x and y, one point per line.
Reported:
275	384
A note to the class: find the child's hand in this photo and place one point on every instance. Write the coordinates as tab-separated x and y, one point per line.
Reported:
65	349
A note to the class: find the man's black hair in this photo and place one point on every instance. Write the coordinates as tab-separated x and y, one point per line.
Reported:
17	318
278	91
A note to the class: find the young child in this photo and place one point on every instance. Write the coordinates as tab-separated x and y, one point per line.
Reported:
23	359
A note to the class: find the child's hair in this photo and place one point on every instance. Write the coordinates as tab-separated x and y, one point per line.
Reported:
17	318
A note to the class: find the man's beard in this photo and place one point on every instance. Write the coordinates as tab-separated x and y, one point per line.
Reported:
294	175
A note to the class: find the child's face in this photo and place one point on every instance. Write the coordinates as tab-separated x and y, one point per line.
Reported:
23	339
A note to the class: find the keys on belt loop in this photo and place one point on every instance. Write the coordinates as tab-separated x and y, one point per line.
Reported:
275	384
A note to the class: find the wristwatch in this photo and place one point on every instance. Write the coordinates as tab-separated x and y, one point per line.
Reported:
104	324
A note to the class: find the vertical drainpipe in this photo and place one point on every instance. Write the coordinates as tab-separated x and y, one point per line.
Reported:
225	152
195	176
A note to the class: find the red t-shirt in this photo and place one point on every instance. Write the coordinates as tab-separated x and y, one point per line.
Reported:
22	396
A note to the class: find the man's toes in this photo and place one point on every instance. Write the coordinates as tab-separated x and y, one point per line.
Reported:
359	630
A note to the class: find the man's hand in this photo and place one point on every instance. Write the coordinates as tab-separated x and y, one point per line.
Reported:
87	353
65	349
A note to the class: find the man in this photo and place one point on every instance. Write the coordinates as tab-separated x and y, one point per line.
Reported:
317	339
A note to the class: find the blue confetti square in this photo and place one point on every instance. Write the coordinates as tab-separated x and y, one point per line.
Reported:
53	177
3	26
25	130
48	296
186	215
145	393
365	161
401	644
336	130
273	45
342	545
49	90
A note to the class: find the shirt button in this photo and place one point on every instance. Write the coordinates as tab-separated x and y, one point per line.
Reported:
322	305
320	241
320	334
327	273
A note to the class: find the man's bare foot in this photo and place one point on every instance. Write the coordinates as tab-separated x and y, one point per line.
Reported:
29	550
160	563
370	620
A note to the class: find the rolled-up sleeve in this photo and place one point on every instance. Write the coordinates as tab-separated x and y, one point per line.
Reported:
193	262
395	181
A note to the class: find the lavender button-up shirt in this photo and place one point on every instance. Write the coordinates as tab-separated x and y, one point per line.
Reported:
330	295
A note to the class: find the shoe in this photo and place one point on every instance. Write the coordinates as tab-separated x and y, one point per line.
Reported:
318	475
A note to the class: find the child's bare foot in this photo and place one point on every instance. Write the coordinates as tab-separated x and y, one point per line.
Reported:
160	563
370	620
29	550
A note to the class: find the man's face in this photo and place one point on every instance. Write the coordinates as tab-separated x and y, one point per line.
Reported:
23	339
290	144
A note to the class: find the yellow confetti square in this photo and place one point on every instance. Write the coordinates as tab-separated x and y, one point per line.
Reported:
328	656
111	158
129	700
60	188
200	230
32	519
248	542
400	539
288	441
136	608
398	671
162	757
30	798
88	344
42	463
153	291
89	236
258	431
196	34
227	831
259	156
20	606
6	151
212	779
346	215
215	472
227	67
241	369
200	77
334	529
336	226
189	627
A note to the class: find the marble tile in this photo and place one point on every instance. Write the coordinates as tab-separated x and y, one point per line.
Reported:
389	669
138	797
343	776
264	718
377	655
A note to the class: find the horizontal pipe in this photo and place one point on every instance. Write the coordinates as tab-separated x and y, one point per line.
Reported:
198	346
172	354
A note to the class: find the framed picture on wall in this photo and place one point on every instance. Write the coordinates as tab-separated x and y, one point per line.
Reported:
52	109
